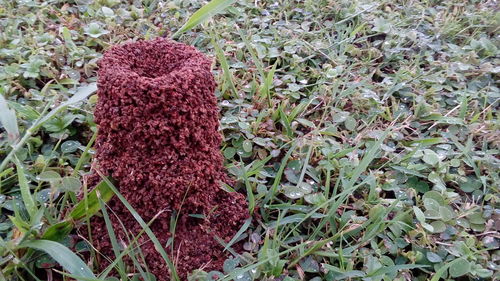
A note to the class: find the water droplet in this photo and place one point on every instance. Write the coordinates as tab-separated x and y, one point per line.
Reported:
73	74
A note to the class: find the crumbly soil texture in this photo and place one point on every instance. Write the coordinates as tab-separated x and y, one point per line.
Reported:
158	138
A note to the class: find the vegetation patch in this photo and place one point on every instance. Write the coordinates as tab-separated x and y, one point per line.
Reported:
363	134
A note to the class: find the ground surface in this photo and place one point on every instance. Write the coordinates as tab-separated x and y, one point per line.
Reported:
364	134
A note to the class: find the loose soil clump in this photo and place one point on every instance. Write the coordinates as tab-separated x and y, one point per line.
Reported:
158	138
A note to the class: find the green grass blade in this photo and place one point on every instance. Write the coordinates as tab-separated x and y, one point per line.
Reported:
336	200
58	231
67	259
255	59
367	159
250	196
28	200
81	93
279	174
204	13
243	228
127	251
8	120
223	63
265	90
149	232
90	204
112	238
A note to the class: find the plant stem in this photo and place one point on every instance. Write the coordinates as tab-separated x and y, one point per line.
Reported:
15	148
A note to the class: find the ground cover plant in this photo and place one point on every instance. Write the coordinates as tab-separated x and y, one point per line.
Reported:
363	134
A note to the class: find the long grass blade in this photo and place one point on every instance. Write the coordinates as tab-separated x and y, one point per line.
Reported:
204	13
8	120
28	200
243	228
228	77
144	225
67	259
112	237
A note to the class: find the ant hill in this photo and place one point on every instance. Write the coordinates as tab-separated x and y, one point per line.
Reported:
158	139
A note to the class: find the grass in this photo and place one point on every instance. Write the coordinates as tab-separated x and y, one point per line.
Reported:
363	133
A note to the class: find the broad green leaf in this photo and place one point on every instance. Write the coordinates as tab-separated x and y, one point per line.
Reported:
95	30
296	192
350	123
430	157
433	257
315	198
395	268
428	227
48	176
438	226
419	214
230	264
446	213
70	184
443	269
435	196
461	267
67	259
70	146
247	146
25	111
476	218
205	12
229	152
431	204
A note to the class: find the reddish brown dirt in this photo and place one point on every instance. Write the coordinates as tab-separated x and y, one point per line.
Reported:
158	138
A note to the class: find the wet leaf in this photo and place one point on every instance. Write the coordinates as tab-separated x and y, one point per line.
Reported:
459	268
434	258
430	157
50	176
70	184
67	259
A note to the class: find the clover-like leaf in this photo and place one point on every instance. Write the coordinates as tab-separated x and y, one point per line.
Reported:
95	30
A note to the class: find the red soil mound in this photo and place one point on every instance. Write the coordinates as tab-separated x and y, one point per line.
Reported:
158	138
